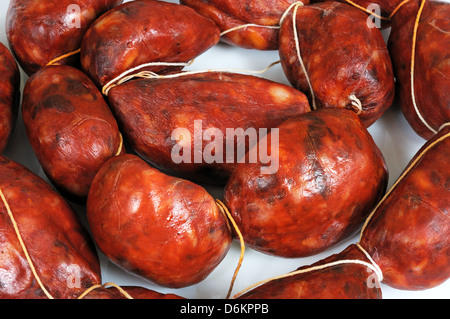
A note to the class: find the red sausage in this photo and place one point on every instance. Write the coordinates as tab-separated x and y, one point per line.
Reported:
431	72
9	95
408	234
165	229
340	276
347	63
127	292
40	31
229	14
151	110
331	174
70	127
140	32
61	251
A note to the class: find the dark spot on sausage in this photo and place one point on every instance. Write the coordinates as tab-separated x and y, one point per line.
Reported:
60	244
59	103
355	76
359	144
247	7
279	195
260	242
447	184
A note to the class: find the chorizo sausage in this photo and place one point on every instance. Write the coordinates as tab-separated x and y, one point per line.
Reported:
229	14
59	248
426	104
330	175
140	32
347	63
9	95
162	228
339	276
40	31
408	234
150	112
70	127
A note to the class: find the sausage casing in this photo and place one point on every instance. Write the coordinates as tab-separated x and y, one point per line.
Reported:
140	32
330	175
41	31
70	127
347	62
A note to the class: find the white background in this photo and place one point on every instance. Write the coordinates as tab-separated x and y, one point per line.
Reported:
392	133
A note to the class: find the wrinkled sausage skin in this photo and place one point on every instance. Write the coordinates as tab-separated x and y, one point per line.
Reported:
228	14
343	281
162	228
70	127
40	31
150	110
342	57
139	32
331	174
9	95
432	64
408	235
132	291
60	249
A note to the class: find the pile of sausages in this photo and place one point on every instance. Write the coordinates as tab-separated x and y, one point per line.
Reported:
107	90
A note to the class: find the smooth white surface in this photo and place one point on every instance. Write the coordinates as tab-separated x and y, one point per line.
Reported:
393	135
